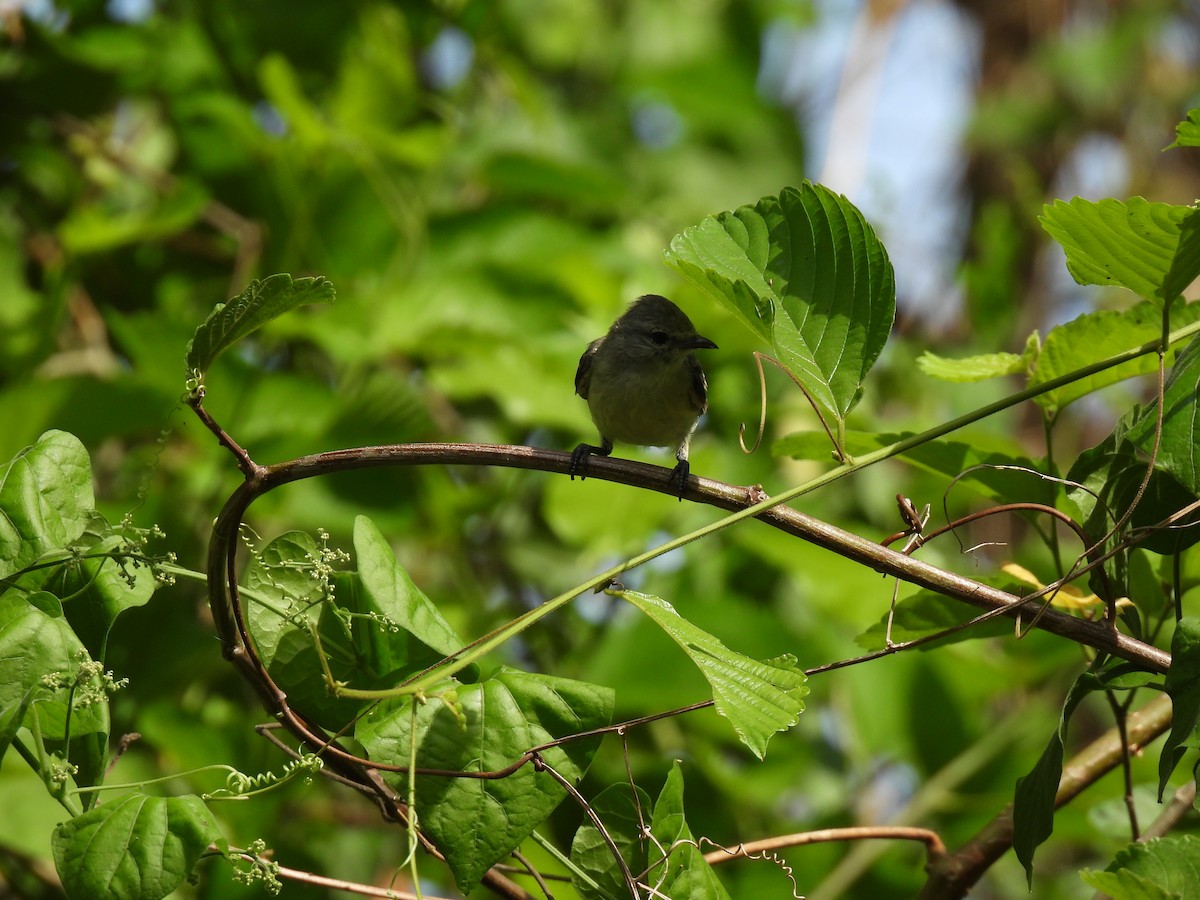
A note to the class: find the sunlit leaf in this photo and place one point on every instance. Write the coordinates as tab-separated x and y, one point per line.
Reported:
970	368
375	629
46	499
806	273
133	848
758	698
263	300
100	588
1187	132
481	728
1137	245
34	644
391	592
1164	868
1094	336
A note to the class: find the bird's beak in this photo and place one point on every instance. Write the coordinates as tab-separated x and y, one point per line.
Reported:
698	342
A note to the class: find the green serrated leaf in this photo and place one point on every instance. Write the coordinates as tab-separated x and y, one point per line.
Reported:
1182	685
480	728
1095	336
1166	867
1033	801
758	698
263	300
1126	886
806	273
134	848
46	500
624	818
1137	245
1187	132
686	874
970	368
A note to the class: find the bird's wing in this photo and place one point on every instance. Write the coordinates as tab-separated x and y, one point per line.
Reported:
583	375
699	386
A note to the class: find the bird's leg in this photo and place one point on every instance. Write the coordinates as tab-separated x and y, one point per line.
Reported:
679	475
579	457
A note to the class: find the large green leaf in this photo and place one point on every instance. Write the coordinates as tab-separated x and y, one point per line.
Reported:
389	591
1150	248
758	698
282	599
134	848
37	642
263	300
486	727
686	873
377	629
1182	685
1092	337
46	500
99	589
807	274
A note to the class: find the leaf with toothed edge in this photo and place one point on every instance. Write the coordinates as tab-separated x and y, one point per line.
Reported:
807	274
263	300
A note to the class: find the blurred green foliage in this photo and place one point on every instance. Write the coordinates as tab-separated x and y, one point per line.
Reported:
487	184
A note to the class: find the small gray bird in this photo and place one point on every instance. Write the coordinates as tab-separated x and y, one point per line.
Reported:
643	384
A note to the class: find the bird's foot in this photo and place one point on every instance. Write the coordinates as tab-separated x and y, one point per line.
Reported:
579	459
679	477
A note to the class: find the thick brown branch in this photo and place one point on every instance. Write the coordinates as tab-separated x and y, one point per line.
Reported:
700	490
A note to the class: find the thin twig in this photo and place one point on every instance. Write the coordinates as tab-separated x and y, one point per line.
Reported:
934	847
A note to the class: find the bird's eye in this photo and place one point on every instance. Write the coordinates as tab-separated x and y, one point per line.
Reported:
658	337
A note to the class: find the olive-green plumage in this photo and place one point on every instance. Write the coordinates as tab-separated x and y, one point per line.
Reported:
643	383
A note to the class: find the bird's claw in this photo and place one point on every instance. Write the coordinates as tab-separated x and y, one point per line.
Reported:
579	459
679	478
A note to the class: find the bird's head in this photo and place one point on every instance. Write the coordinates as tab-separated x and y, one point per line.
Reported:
654	327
